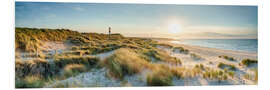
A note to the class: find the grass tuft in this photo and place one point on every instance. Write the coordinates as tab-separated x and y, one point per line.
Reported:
195	56
125	62
160	77
180	50
248	62
227	57
74	69
88	61
32	81
228	66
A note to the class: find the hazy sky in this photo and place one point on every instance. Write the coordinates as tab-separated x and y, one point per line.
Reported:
142	20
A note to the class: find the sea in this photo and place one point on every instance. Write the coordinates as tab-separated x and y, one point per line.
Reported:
247	45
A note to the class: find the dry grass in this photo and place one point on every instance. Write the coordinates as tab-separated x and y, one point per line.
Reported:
248	62
179	72
227	58
33	67
195	56
160	55
30	39
160	77
74	69
180	50
32	81
125	62
228	66
215	74
88	61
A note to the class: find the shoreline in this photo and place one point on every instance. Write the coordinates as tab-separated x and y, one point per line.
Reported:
214	51
240	51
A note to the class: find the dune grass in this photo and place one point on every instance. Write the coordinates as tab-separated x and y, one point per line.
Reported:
201	66
178	71
41	70
131	56
74	69
39	67
248	62
30	39
180	50
124	62
215	74
88	61
160	55
227	57
195	56
228	66
31	81
163	45
159	77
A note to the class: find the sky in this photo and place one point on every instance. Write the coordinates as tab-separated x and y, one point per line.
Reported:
143	20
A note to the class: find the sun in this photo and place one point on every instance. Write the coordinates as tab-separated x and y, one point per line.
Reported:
174	27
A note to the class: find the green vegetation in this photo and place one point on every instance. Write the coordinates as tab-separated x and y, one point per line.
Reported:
159	55
124	62
215	74
164	45
195	56
160	77
38	67
30	39
248	62
42	70
231	74
29	82
131	56
73	69
88	61
181	50
228	66
178	72
227	57
199	66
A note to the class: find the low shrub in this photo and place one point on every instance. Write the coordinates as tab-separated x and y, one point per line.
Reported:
231	73
227	57
195	56
248	62
180	50
31	81
73	69
163	45
215	74
124	62
201	66
34	67
162	56
160	77
88	61
228	66
178	72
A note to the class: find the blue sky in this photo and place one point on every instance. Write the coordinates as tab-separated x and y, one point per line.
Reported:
142	20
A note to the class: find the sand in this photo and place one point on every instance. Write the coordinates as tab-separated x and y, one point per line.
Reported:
98	77
209	58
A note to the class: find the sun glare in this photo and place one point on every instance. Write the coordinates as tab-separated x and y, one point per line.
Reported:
174	27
